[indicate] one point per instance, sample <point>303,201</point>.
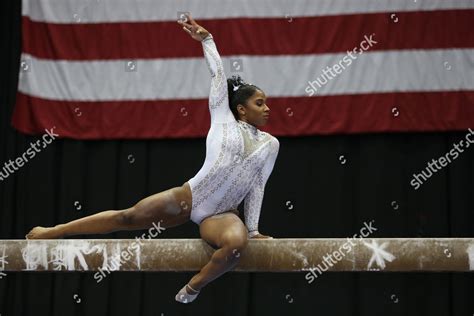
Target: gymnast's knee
<point>127,217</point>
<point>234,243</point>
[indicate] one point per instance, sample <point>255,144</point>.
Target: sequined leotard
<point>239,157</point>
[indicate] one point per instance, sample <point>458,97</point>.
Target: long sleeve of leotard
<point>218,97</point>
<point>253,200</point>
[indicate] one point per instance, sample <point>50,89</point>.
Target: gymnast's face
<point>255,112</point>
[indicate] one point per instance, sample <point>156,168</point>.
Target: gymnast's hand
<point>195,30</point>
<point>260,236</point>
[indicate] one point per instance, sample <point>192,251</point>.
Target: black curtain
<point>321,187</point>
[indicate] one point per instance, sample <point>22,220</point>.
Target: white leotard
<point>239,157</point>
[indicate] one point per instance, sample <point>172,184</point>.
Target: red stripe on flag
<point>290,116</point>
<point>266,36</point>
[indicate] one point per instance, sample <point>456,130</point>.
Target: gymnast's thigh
<point>170,207</point>
<point>217,229</point>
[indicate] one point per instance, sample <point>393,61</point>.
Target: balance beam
<point>271,255</point>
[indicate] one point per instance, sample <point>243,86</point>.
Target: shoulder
<point>273,140</point>
<point>275,143</point>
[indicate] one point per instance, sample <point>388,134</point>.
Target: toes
<point>32,233</point>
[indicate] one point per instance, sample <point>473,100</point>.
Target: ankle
<point>196,283</point>
<point>192,289</point>
<point>59,230</point>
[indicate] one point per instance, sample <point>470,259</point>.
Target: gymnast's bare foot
<point>39,232</point>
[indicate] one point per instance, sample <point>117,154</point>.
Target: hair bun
<point>236,82</point>
<point>233,85</point>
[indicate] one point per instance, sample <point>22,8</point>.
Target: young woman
<point>239,160</point>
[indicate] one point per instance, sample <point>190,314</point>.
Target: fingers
<point>187,30</point>
<point>188,15</point>
<point>192,28</point>
<point>260,236</point>
<point>186,27</point>
<point>185,24</point>
<point>192,32</point>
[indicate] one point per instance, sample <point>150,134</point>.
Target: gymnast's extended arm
<point>253,200</point>
<point>218,97</point>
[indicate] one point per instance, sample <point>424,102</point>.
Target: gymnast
<point>239,160</point>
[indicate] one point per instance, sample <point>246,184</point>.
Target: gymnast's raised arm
<point>218,97</point>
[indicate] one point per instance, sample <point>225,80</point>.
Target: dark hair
<point>239,93</point>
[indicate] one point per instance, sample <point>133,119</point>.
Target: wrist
<point>206,37</point>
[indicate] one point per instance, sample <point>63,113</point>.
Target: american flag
<point>108,69</point>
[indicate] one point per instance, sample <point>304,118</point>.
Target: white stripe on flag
<point>72,11</point>
<point>371,72</point>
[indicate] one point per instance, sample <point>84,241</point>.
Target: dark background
<point>329,199</point>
